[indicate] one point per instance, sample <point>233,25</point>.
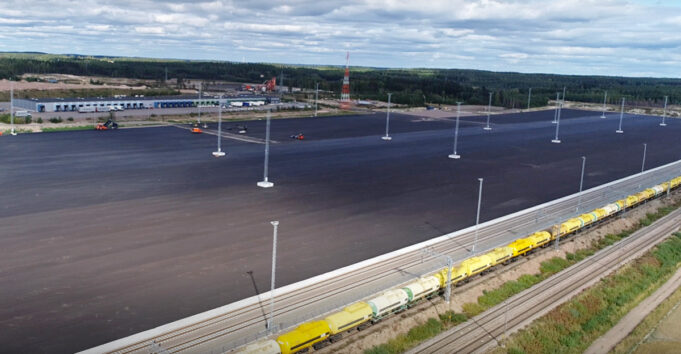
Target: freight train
<point>362,314</point>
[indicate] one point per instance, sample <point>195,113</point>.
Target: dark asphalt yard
<point>105,234</point>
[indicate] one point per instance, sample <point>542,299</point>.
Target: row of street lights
<point>275,225</point>
<point>265,183</point>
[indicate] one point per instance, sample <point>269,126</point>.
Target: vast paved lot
<point>105,234</point>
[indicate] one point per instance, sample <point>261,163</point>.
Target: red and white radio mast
<point>345,91</point>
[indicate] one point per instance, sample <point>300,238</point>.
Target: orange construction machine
<point>110,124</point>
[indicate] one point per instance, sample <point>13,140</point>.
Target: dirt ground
<point>5,85</point>
<point>672,110</point>
<point>401,324</point>
<point>448,111</point>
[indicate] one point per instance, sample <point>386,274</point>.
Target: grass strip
<point>574,325</point>
<point>65,129</point>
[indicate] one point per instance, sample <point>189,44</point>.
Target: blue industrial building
<point>139,102</point>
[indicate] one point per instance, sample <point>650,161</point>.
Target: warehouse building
<point>102,104</point>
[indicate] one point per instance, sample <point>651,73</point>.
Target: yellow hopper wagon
<point>660,188</point>
<point>459,275</point>
<point>476,265</point>
<point>268,346</point>
<point>391,301</point>
<point>540,239</point>
<point>630,201</point>
<point>501,255</point>
<point>588,218</point>
<point>422,287</point>
<point>600,213</point>
<point>676,181</point>
<point>521,247</point>
<point>567,228</point>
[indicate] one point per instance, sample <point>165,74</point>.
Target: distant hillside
<point>409,86</point>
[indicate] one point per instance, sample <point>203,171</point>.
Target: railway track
<point>483,332</point>
<point>236,324</point>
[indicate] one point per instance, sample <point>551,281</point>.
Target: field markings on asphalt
<point>243,138</point>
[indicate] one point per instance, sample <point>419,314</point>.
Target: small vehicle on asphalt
<point>195,129</point>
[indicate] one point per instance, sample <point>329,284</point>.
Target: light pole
<point>581,183</point>
<point>620,131</point>
<point>555,113</point>
<point>199,104</point>
<point>605,98</point>
<point>564,93</point>
<point>454,155</point>
<point>643,163</point>
<point>448,260</point>
<point>275,225</point>
<point>556,140</point>
<point>557,228</point>
<point>529,98</point>
<point>265,183</point>
<point>664,113</point>
<point>477,218</point>
<point>219,153</point>
<point>11,107</point>
<point>316,98</point>
<point>489,108</point>
<point>387,121</point>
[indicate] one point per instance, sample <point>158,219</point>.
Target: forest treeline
<point>408,86</point>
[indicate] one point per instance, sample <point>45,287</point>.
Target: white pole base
<point>387,138</point>
<point>487,128</point>
<point>218,153</point>
<point>454,156</point>
<point>603,116</point>
<point>663,124</point>
<point>265,184</point>
<point>555,141</point>
<point>619,131</point>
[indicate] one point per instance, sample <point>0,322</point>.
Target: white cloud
<point>149,30</point>
<point>616,37</point>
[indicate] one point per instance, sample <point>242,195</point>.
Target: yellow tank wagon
<point>501,255</point>
<point>354,316</point>
<point>307,335</point>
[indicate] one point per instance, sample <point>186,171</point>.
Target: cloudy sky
<point>608,37</point>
